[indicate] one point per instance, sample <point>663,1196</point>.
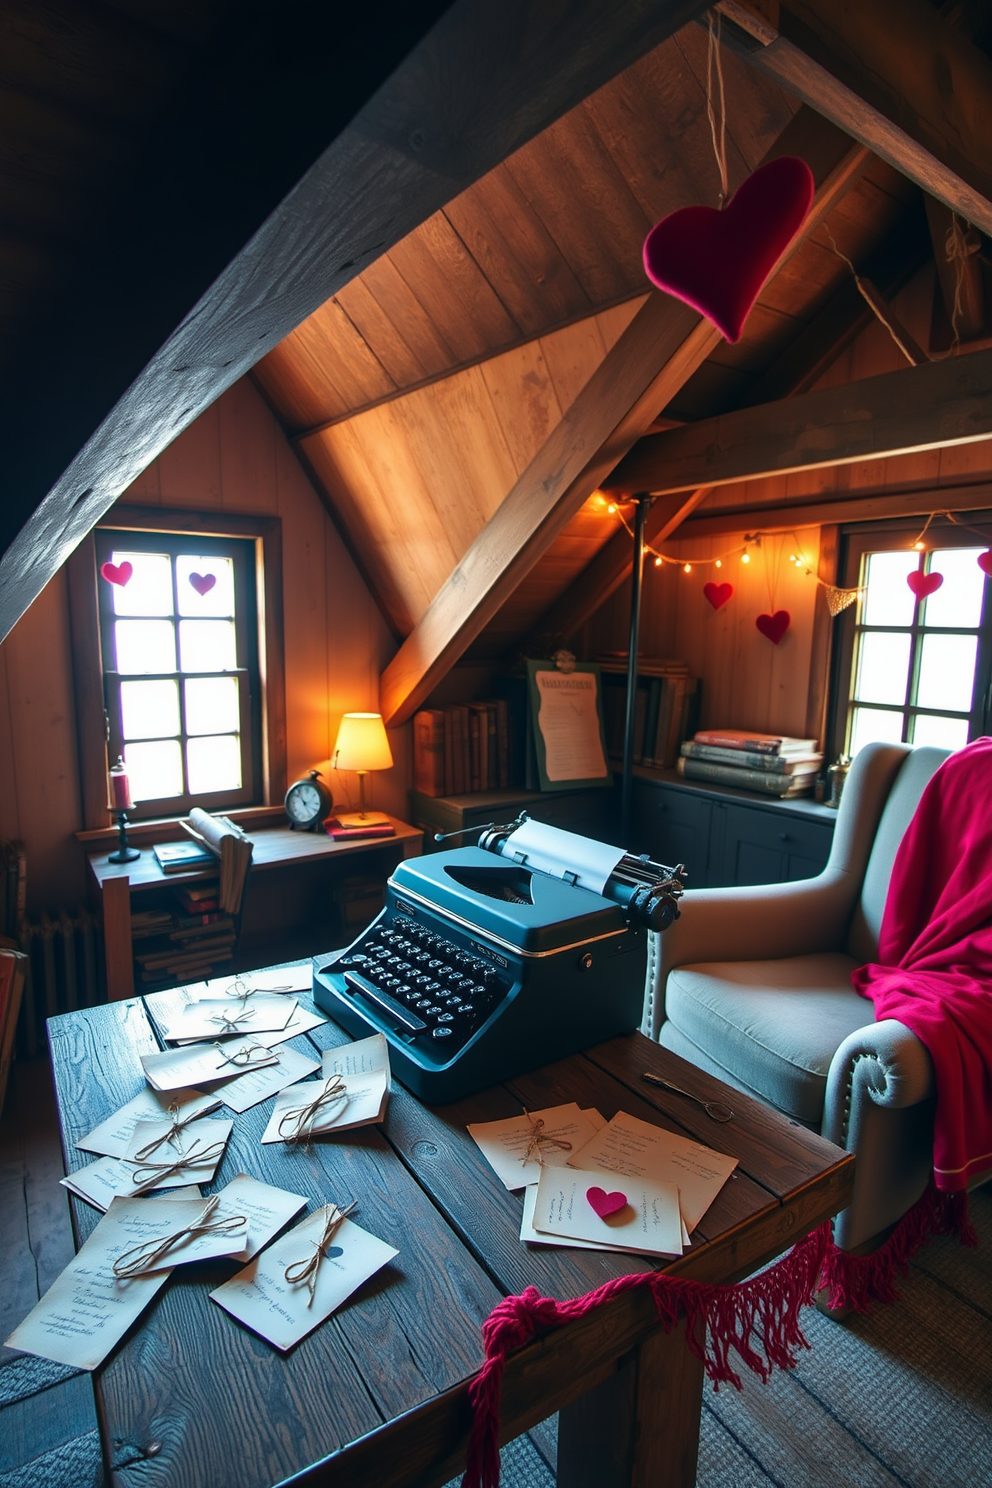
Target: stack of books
<point>462,748</point>
<point>771,764</point>
<point>183,946</point>
<point>666,706</point>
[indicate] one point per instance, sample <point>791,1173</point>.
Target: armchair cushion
<point>776,1024</point>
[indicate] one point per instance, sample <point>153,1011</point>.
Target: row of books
<point>461,748</point>
<point>13,974</point>
<point>666,707</point>
<point>197,937</point>
<point>770,764</point>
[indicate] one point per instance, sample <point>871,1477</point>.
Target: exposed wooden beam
<point>274,182</point>
<point>891,73</point>
<point>873,506</point>
<point>930,407</point>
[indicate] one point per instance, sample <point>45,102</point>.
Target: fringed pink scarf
<point>934,968</point>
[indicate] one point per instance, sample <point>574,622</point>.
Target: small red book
<point>374,829</point>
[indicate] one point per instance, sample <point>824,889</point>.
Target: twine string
<point>147,1253</point>
<point>229,1021</point>
<point>249,1056</point>
<point>171,1136</point>
<point>541,1141</point>
<point>298,1272</point>
<point>300,1120</point>
<point>959,246</point>
<point>870,302</point>
<point>718,129</point>
<point>151,1175</point>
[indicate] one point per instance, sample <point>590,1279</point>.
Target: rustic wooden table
<point>376,1397</point>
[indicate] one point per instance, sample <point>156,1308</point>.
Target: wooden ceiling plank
<point>894,75</point>
<point>523,398</point>
<point>920,408</point>
<point>868,506</point>
<point>338,353</point>
<point>397,356</point>
<point>515,251</point>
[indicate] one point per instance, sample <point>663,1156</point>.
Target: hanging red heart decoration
<point>923,584</point>
<point>774,626</point>
<point>202,583</point>
<point>716,261</point>
<point>117,573</point>
<point>718,594</point>
<point>985,563</point>
<point>605,1203</point>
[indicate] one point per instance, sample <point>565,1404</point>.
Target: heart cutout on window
<point>923,584</point>
<point>774,626</point>
<point>718,594</point>
<point>717,261</point>
<point>985,563</point>
<point>202,583</point>
<point>117,573</point>
<point>605,1203</point>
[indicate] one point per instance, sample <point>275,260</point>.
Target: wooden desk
<point>290,872</point>
<point>376,1397</point>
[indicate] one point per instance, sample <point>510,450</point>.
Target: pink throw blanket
<point>934,968</point>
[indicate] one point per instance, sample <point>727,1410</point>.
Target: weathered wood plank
<point>920,408</point>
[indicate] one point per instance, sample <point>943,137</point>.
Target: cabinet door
<point>673,826</point>
<point>762,847</point>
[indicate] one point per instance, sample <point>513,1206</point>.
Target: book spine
<point>776,764</point>
<point>729,739</point>
<point>449,751</point>
<point>651,721</point>
<point>502,743</point>
<point>428,752</point>
<point>753,780</point>
<point>670,745</point>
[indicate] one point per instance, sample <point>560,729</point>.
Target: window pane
<point>154,769</point>
<point>883,668</point>
<point>149,589</point>
<point>946,733</point>
<point>149,709</point>
<point>958,601</point>
<point>889,600</point>
<point>212,705</point>
<point>145,645</point>
<point>947,672</point>
<point>870,724</point>
<point>214,764</point>
<point>219,597</point>
<point>207,645</point>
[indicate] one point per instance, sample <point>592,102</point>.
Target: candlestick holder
<point>125,852</point>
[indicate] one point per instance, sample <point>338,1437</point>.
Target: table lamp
<point>362,746</point>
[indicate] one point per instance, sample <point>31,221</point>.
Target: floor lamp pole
<point>642,502</point>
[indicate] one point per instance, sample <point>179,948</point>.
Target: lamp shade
<point>362,743</point>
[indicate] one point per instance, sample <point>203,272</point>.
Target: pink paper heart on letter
<point>923,584</point>
<point>985,562</point>
<point>716,261</point>
<point>202,583</point>
<point>718,594</point>
<point>117,573</point>
<point>605,1203</point>
<point>774,626</point>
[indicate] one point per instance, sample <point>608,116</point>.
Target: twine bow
<point>241,990</point>
<point>147,1253</point>
<point>302,1119</point>
<point>171,1136</point>
<point>229,1021</point>
<point>541,1141</point>
<point>152,1174</point>
<point>245,1057</point>
<point>298,1272</point>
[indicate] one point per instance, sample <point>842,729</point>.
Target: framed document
<point>567,716</point>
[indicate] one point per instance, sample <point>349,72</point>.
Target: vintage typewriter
<point>491,960</point>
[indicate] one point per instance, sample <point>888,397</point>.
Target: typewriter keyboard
<point>425,986</point>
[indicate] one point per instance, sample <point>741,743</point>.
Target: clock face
<point>303,803</point>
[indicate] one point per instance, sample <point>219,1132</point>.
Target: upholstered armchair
<point>753,985</point>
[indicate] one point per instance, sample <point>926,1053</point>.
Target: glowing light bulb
<point>719,563</point>
<point>657,562</point>
<point>687,568</point>
<point>745,557</point>
<point>919,546</point>
<point>612,508</point>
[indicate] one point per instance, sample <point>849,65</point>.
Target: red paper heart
<point>985,563</point>
<point>605,1203</point>
<point>718,594</point>
<point>923,584</point>
<point>117,573</point>
<point>716,261</point>
<point>202,583</point>
<point>774,626</point>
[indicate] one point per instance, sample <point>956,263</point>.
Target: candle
<point>120,792</point>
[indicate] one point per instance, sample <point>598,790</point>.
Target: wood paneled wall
<point>234,458</point>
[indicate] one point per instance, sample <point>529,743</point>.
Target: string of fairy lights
<point>838,598</point>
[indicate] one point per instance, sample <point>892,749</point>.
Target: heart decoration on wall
<point>117,573</point>
<point>717,261</point>
<point>202,583</point>
<point>774,626</point>
<point>923,584</point>
<point>718,594</point>
<point>985,562</point>
<point>605,1203</point>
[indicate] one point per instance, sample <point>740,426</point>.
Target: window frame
<point>858,539</point>
<point>269,754</point>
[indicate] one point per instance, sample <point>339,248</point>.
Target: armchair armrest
<point>884,1063</point>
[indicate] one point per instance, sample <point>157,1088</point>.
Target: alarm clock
<point>308,803</point>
